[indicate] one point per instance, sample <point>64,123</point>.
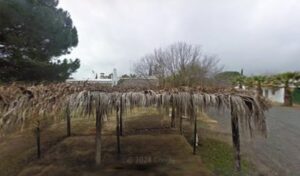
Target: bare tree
<point>179,64</point>
<point>145,66</point>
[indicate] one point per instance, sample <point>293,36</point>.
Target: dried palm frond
<point>30,103</point>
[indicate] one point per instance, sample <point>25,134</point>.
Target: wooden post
<point>236,139</point>
<point>38,140</point>
<point>121,116</point>
<point>68,121</point>
<point>195,136</point>
<point>98,136</point>
<point>180,124</point>
<point>288,99</point>
<point>173,112</point>
<point>195,125</point>
<point>118,132</point>
<point>179,114</point>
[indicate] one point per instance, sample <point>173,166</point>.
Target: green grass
<point>218,157</point>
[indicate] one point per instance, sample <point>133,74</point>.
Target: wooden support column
<point>236,139</point>
<point>121,115</point>
<point>68,116</point>
<point>180,124</point>
<point>173,124</point>
<point>38,140</point>
<point>179,115</point>
<point>194,116</point>
<point>195,137</point>
<point>118,131</point>
<point>98,136</point>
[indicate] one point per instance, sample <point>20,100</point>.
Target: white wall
<point>277,97</point>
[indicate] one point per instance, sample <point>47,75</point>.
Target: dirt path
<point>279,154</point>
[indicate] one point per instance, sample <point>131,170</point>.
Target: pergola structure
<point>21,105</point>
<point>247,111</point>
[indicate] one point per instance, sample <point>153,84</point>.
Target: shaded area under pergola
<point>247,111</point>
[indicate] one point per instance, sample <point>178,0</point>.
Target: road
<point>279,153</point>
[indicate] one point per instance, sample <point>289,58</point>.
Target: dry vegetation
<point>22,105</point>
<point>25,107</point>
<point>150,151</point>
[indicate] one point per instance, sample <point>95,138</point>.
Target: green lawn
<point>218,157</point>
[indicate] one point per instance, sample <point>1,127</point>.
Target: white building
<point>103,80</point>
<point>275,95</point>
<point>141,82</point>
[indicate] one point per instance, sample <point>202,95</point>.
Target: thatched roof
<point>249,108</point>
<point>20,104</point>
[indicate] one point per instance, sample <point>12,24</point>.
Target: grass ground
<point>19,149</point>
<point>218,157</point>
<point>149,147</point>
<point>216,151</point>
<point>141,154</point>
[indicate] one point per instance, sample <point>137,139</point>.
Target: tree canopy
<point>33,34</point>
<point>287,80</point>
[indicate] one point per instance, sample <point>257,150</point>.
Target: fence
<point>296,96</point>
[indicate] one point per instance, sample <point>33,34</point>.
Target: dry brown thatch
<point>21,105</point>
<point>248,108</point>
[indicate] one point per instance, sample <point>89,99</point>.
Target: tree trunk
<point>236,139</point>
<point>288,99</point>
<point>118,132</point>
<point>98,137</point>
<point>38,141</point>
<point>68,121</point>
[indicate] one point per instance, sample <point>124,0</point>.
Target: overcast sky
<point>261,36</point>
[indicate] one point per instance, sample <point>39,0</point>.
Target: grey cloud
<point>261,36</point>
